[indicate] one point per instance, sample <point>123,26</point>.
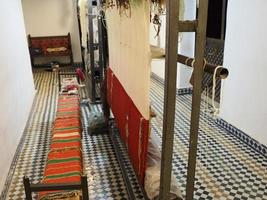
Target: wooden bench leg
<point>59,80</point>
<point>32,61</point>
<point>71,60</point>
<point>84,188</point>
<point>27,187</point>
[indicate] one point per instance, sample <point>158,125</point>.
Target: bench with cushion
<point>50,46</point>
<point>63,175</point>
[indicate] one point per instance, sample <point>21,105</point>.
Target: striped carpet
<point>226,168</point>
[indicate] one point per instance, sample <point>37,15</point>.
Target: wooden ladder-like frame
<point>173,27</point>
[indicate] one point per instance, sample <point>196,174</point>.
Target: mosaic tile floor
<point>226,168</point>
<point>104,176</point>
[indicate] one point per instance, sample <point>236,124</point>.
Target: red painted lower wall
<point>133,127</point>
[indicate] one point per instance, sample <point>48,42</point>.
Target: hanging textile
<point>129,78</point>
<point>83,20</point>
<point>133,127</point>
<point>130,52</point>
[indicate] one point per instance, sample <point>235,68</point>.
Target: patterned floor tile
<point>226,167</point>
<point>104,176</point>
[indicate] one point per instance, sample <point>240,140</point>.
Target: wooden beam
<point>27,188</point>
<point>55,186</point>
<point>221,73</point>
<point>172,9</point>
<point>196,99</point>
<point>84,187</point>
<point>159,53</point>
<point>188,26</point>
<point>91,49</point>
<point>224,8</point>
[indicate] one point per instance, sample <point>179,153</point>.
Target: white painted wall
<point>244,94</point>
<point>17,88</point>
<point>53,17</point>
<point>186,46</point>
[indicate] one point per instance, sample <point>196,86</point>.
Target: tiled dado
<point>243,136</point>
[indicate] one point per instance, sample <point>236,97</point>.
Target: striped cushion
<point>59,158</point>
<point>64,161</point>
<point>65,143</point>
<point>68,109</point>
<point>68,99</point>
<point>58,136</point>
<point>66,129</point>
<point>68,114</point>
<point>52,171</point>
<point>67,122</point>
<point>53,165</point>
<point>68,103</point>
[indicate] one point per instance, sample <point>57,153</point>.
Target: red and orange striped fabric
<point>64,161</point>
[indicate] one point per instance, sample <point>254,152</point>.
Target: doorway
<point>214,52</point>
<point>217,19</point>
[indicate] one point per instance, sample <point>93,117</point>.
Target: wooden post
<point>172,7</point>
<point>224,7</point>
<point>80,33</point>
<point>59,79</point>
<point>91,48</point>
<point>27,188</point>
<point>84,186</point>
<point>198,74</point>
<point>70,47</point>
